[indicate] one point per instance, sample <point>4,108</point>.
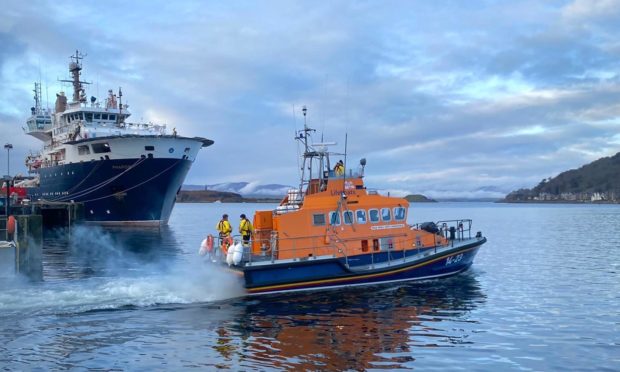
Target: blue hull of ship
<point>327,273</point>
<point>125,191</point>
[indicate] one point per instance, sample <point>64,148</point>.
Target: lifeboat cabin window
<point>149,148</point>
<point>101,147</point>
<point>334,218</point>
<point>386,214</point>
<point>361,215</point>
<point>318,219</point>
<point>83,150</point>
<point>347,217</point>
<point>374,215</point>
<point>399,213</point>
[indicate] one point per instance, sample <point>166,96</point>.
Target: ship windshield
<point>361,216</point>
<point>374,215</point>
<point>386,214</point>
<point>347,217</point>
<point>399,213</point>
<point>334,218</point>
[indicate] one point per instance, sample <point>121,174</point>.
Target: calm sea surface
<point>543,294</point>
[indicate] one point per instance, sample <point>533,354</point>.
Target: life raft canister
<point>10,225</point>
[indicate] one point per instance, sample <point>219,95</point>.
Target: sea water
<point>543,294</point>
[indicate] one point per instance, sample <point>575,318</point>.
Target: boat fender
<point>210,243</point>
<point>326,240</point>
<point>237,253</point>
<point>203,248</point>
<point>229,255</point>
<point>10,225</point>
<point>206,246</point>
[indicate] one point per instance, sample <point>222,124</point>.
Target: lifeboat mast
<point>315,151</point>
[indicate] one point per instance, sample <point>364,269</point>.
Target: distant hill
<point>245,189</point>
<point>210,196</point>
<point>207,196</point>
<point>598,181</point>
<point>418,198</point>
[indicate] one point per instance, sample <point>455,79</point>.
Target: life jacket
<point>224,227</point>
<point>245,227</point>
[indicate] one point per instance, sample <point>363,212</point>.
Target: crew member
<point>224,228</point>
<point>245,228</point>
<point>339,168</point>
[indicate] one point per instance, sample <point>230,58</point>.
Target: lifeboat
<point>333,232</point>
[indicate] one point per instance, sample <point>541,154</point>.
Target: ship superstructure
<point>124,172</point>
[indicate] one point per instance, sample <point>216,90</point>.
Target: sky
<point>444,98</point>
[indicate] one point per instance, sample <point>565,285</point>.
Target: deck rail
<point>336,247</point>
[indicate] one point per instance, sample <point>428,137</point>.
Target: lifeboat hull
<point>329,272</point>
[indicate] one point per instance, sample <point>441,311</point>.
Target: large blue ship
<point>124,173</point>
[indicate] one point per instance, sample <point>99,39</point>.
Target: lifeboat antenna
<point>303,137</point>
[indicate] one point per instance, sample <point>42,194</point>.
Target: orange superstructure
<point>338,216</point>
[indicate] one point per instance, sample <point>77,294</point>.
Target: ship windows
<point>83,150</point>
<point>97,116</point>
<point>101,147</point>
<point>149,148</point>
<point>104,116</point>
<point>399,213</point>
<point>112,117</point>
<point>373,214</point>
<point>386,214</point>
<point>347,217</point>
<point>318,219</point>
<point>334,218</point>
<point>360,215</point>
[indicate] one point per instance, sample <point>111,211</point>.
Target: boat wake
<point>187,284</point>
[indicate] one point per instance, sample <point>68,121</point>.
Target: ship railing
<point>95,128</point>
<point>453,230</point>
<point>311,247</point>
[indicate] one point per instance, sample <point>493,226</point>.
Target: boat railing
<point>330,244</point>
<point>454,230</point>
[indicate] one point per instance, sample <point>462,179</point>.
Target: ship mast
<point>75,67</point>
<point>307,163</point>
<point>37,98</point>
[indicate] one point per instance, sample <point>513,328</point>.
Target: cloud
<point>434,95</point>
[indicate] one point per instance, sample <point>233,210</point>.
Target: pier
<point>21,245</point>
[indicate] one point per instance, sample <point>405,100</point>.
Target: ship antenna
<point>303,137</point>
<point>75,67</point>
<point>120,105</point>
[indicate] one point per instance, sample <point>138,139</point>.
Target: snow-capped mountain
<point>246,189</point>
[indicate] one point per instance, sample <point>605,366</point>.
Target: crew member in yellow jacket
<point>245,228</point>
<point>224,229</point>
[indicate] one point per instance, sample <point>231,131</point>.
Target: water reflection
<point>371,327</point>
